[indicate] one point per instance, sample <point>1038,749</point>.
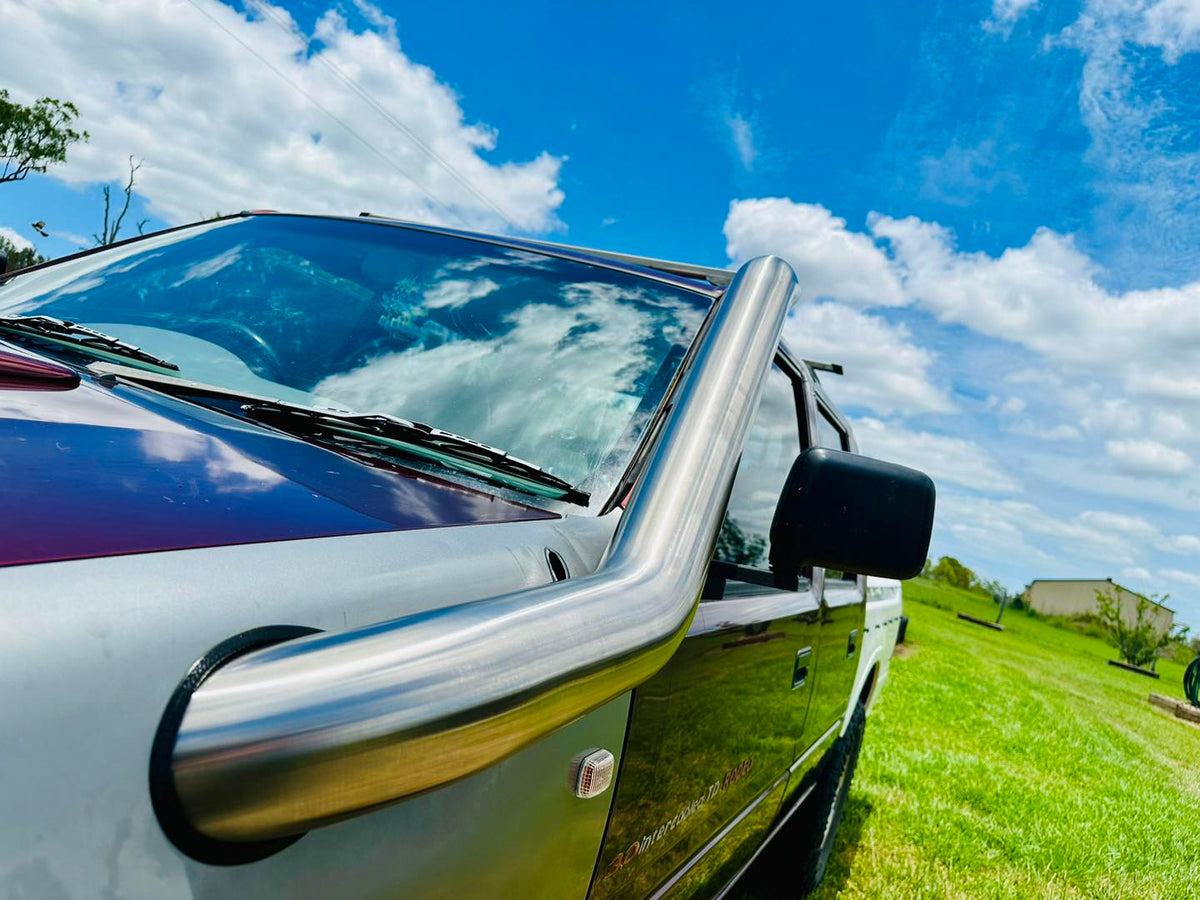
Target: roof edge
<point>712,274</point>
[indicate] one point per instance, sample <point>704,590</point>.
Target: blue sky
<point>994,206</point>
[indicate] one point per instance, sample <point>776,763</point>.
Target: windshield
<point>552,360</point>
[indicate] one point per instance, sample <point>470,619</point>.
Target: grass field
<point>1018,764</point>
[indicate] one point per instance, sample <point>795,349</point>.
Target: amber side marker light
<point>591,773</point>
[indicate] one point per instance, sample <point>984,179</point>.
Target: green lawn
<point>1018,764</point>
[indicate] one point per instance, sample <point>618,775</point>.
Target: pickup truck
<point>351,557</point>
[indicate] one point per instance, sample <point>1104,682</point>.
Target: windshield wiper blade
<point>82,339</point>
<point>368,433</point>
<point>417,439</point>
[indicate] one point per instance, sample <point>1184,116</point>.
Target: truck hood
<point>90,470</point>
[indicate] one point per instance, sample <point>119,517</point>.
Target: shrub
<point>1140,642</point>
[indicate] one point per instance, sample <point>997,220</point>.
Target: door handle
<point>800,671</point>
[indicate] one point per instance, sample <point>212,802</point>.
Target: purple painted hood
<point>87,470</point>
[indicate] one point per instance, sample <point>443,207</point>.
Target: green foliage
<point>950,571</point>
<point>1086,624</point>
<point>1141,641</point>
<point>34,137</point>
<point>735,547</point>
<point>19,258</point>
<point>1179,651</point>
<point>992,588</point>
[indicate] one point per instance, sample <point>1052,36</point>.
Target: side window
<point>828,433</point>
<point>771,447</point>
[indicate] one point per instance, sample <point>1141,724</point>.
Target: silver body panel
<point>93,648</point>
<point>885,606</point>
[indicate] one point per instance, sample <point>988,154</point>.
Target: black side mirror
<point>853,513</point>
<point>3,263</point>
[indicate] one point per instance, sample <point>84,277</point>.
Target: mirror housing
<point>844,511</point>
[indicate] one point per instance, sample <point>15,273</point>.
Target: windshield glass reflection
<point>554,361</point>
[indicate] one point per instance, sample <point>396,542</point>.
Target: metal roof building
<point>1077,596</point>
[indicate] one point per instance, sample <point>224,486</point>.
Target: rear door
<point>712,735</point>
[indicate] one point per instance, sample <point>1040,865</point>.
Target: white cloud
<point>1008,406</point>
<point>1183,544</point>
<point>1171,426</point>
<point>742,137</point>
<point>830,261</point>
<point>1062,432</point>
<point>1089,535</point>
<point>1007,529</point>
<point>1178,575</point>
<point>944,458</point>
<point>1027,294</point>
<point>962,173</point>
<point>1148,458</point>
<point>1045,295</point>
<point>1139,532</point>
<point>1131,526</point>
<point>456,292</point>
<point>1005,13</point>
<point>1115,367</point>
<point>1163,386</point>
<point>220,129</point>
<point>602,335</point>
<point>1173,25</point>
<point>1143,156</point>
<point>886,371</point>
<point>13,237</point>
<point>1000,528</point>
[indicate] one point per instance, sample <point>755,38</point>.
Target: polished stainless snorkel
<point>317,729</point>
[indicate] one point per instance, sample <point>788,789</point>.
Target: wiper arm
<point>417,439</point>
<point>370,432</point>
<point>80,338</point>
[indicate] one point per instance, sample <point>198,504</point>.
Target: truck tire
<point>793,865</point>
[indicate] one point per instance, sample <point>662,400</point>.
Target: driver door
<point>713,734</point>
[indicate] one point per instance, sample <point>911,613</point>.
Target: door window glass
<point>831,436</point>
<point>771,448</point>
<point>828,434</point>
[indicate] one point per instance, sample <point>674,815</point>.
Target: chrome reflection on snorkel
<point>305,733</point>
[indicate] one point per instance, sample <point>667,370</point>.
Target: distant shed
<point>1077,597</point>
